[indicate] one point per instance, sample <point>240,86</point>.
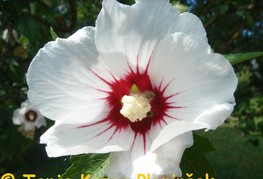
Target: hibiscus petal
<point>62,84</point>
<point>29,126</point>
<point>135,30</point>
<point>164,161</point>
<point>41,121</point>
<point>170,154</point>
<point>17,117</point>
<point>72,139</point>
<point>200,85</point>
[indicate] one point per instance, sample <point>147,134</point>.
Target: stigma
<point>31,115</point>
<point>135,107</point>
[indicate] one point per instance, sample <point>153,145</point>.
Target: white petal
<point>142,144</point>
<point>134,31</point>
<point>25,104</point>
<point>72,139</point>
<point>41,121</point>
<point>174,129</point>
<point>170,154</point>
<point>29,126</point>
<point>202,82</point>
<point>120,165</point>
<point>190,24</point>
<point>165,161</point>
<point>64,82</point>
<point>19,114</point>
<point>17,117</point>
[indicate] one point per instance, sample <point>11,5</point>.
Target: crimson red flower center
<point>122,87</point>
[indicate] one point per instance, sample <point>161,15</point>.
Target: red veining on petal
<point>137,63</point>
<point>97,75</point>
<point>144,143</point>
<point>99,122</point>
<point>120,87</point>
<point>170,96</point>
<point>115,131</point>
<point>115,79</point>
<point>165,87</point>
<point>105,130</point>
<point>148,63</point>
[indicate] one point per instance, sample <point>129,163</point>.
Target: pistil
<point>135,107</point>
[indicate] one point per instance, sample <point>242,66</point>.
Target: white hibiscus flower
<point>29,118</point>
<point>135,85</point>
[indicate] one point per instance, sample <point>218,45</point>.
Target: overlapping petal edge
<point>78,82</point>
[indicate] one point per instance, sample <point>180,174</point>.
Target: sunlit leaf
<point>95,165</point>
<point>53,33</point>
<point>181,7</point>
<point>241,57</point>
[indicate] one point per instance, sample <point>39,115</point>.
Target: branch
<point>235,33</point>
<point>210,22</point>
<point>73,8</point>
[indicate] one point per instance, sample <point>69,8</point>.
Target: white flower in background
<point>135,85</point>
<point>62,8</point>
<point>10,35</point>
<point>28,117</point>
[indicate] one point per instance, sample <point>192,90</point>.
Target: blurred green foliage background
<point>233,26</point>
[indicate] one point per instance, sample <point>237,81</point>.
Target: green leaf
<point>53,33</point>
<point>241,57</point>
<point>95,165</point>
<point>29,28</point>
<point>194,163</point>
<point>12,144</point>
<point>181,7</point>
